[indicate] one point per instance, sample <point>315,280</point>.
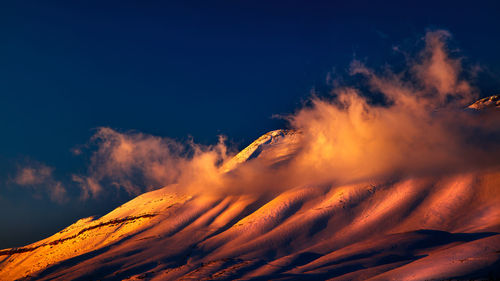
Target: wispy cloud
<point>33,175</point>
<point>422,129</point>
<point>140,162</point>
<point>39,179</point>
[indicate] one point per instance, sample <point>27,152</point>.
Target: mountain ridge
<point>420,228</point>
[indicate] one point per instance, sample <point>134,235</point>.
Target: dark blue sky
<point>180,68</point>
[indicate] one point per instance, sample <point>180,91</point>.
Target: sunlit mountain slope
<point>417,228</point>
<point>488,102</point>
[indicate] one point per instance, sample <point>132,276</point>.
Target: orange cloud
<point>31,175</point>
<point>422,129</point>
<point>139,162</point>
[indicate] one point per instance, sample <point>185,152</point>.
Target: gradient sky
<point>185,68</point>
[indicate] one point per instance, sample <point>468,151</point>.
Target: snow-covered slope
<point>491,102</point>
<point>411,230</point>
<point>414,229</point>
<point>274,146</point>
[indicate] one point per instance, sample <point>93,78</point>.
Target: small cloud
<point>90,187</point>
<point>76,151</point>
<point>39,178</point>
<point>33,175</point>
<point>58,193</point>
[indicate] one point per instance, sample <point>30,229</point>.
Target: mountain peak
<point>269,141</point>
<point>491,102</point>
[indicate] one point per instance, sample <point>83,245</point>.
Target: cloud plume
<point>139,162</point>
<point>419,129</point>
<point>422,129</point>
